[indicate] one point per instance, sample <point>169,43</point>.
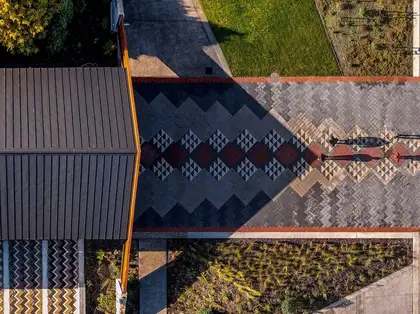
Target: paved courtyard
<point>229,155</point>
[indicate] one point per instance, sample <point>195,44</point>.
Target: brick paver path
<point>231,155</point>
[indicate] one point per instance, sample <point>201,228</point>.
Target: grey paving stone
<point>230,202</point>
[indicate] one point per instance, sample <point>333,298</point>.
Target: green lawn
<point>261,37</point>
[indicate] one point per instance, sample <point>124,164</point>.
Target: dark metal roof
<point>67,153</point>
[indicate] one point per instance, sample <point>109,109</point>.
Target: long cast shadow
<point>169,37</point>
<point>179,106</point>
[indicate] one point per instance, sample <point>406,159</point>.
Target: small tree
<point>24,21</point>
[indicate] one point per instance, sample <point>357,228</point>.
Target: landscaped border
<point>415,236</point>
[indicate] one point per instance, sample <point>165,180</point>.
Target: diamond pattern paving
<point>279,155</point>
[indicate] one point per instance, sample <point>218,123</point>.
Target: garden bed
<point>371,37</point>
<point>256,276</point>
<point>261,37</point>
<point>88,40</point>
<point>102,268</point>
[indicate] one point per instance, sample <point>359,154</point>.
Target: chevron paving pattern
<point>1,278</point>
<point>25,267</point>
<point>232,155</point>
<point>62,276</point>
<point>25,275</point>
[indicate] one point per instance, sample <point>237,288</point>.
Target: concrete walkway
<point>172,38</point>
<point>390,295</point>
<point>416,38</point>
<point>152,273</point>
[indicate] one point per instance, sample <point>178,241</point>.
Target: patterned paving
<point>26,272</point>
<point>62,276</point>
<point>261,155</point>
<point>25,269</point>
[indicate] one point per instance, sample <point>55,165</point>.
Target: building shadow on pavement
<point>168,39</point>
<point>215,156</point>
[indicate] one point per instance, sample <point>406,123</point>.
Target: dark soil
<point>250,276</point>
<point>87,35</point>
<point>101,270</point>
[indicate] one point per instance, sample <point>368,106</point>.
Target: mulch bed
<point>102,267</point>
<point>254,276</point>
<point>370,37</point>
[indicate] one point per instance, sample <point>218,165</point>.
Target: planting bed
<point>102,268</point>
<point>370,37</point>
<point>256,276</point>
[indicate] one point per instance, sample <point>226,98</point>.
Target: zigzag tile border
<point>62,276</point>
<point>25,276</point>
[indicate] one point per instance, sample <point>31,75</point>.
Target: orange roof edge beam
<point>127,245</point>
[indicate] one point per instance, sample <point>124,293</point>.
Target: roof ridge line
<point>66,151</point>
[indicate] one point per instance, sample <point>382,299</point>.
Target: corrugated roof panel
<point>125,100</point>
<point>56,196</point>
<point>130,162</point>
<point>38,107</point>
<point>23,98</point>
<point>61,119</point>
<point>25,196</point>
<point>39,210</point>
<point>2,107</point>
<point>16,109</point>
<point>97,111</point>
<point>106,122</point>
<point>67,151</point>
<point>91,119</point>
<point>3,198</point>
<point>32,211</point>
<point>31,109</point>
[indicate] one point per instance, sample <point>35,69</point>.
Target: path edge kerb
<point>211,37</point>
<point>293,79</point>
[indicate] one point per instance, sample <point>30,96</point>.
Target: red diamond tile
<point>259,154</point>
<point>204,155</point>
<point>401,150</point>
<point>312,154</point>
<point>287,154</point>
<point>343,153</point>
<point>148,155</point>
<point>231,155</point>
<point>175,155</point>
<point>370,155</point>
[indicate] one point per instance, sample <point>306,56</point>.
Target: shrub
<point>57,33</point>
<point>106,303</point>
<point>109,48</point>
<point>205,310</point>
<point>23,22</point>
<point>100,255</point>
<point>289,306</point>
